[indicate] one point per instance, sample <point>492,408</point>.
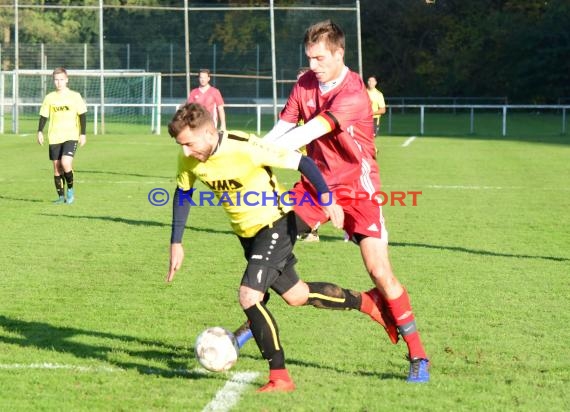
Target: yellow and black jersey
<point>63,110</point>
<point>377,100</point>
<point>240,177</point>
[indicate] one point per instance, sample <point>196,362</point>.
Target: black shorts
<point>56,151</point>
<point>270,259</point>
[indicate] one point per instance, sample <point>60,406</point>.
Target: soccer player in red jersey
<point>338,130</point>
<point>209,97</point>
<point>266,228</point>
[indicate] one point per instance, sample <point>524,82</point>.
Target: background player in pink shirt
<point>209,97</point>
<point>338,130</point>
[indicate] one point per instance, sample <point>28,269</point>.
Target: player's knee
<point>66,164</point>
<point>249,297</point>
<point>297,300</point>
<point>386,281</point>
<point>382,273</point>
<point>297,295</point>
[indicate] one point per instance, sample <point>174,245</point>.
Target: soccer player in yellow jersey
<point>378,103</point>
<point>237,169</point>
<point>66,112</point>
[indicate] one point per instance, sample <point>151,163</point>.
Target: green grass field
<point>87,322</point>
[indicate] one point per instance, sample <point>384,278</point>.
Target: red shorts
<point>362,214</point>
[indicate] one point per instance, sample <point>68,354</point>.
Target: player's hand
<point>176,258</point>
<point>334,211</point>
<point>40,138</point>
<point>82,140</point>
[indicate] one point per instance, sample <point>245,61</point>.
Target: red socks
<point>402,313</point>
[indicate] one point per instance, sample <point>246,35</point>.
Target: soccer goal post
<point>115,99</point>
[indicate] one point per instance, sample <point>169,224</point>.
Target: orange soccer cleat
<point>278,385</point>
<point>374,305</point>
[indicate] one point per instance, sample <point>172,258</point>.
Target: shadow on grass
<point>327,238</point>
<point>480,252</point>
<point>48,337</point>
<point>106,172</point>
<point>459,249</point>
<point>43,336</point>
<point>135,222</point>
<point>21,199</point>
<point>322,366</point>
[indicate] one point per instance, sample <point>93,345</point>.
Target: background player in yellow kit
<point>66,112</point>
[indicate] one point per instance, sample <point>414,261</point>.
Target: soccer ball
<point>216,349</point>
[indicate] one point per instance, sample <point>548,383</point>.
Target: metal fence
<point>252,51</point>
<point>475,119</point>
<point>518,121</point>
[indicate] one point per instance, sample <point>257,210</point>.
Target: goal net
<point>115,99</point>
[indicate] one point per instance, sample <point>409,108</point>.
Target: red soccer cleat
<point>278,385</point>
<point>374,306</point>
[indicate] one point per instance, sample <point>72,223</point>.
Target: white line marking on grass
<point>47,365</point>
<point>408,141</point>
<point>228,396</point>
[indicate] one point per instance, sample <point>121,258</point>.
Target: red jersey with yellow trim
<point>341,153</point>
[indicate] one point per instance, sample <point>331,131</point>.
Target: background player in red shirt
<point>209,97</point>
<point>338,130</point>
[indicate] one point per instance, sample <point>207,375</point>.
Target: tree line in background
<point>514,48</point>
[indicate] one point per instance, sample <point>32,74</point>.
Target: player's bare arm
<point>176,259</point>
<point>83,128</point>
<point>180,212</point>
<point>222,117</point>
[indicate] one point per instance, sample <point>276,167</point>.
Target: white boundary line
<point>224,400</point>
<point>408,141</point>
<point>228,396</point>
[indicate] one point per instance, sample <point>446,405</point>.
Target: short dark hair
<point>193,115</point>
<point>326,31</point>
<point>207,71</point>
